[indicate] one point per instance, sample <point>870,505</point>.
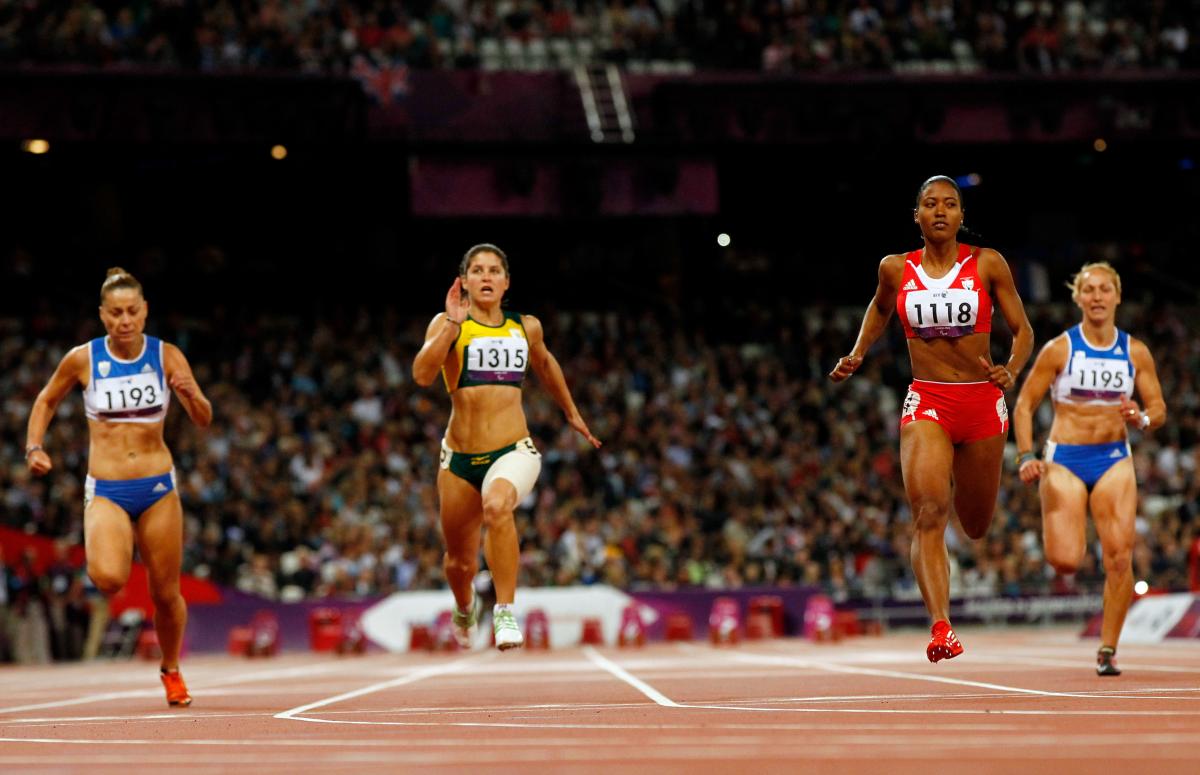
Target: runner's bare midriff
<point>127,450</point>
<point>1086,424</point>
<point>949,359</point>
<point>485,418</point>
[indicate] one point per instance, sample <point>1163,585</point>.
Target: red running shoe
<point>944,644</point>
<point>177,693</point>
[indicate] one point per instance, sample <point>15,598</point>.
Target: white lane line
<point>636,683</point>
<point>413,677</point>
<point>832,667</point>
<point>840,668</point>
<point>859,711</point>
<point>1079,654</point>
<point>84,700</point>
<point>584,760</point>
<point>180,715</point>
<point>265,675</point>
<point>1086,665</point>
<point>985,741</point>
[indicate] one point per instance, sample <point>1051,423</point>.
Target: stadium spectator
<point>835,35</point>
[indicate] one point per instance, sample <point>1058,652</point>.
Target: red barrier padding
<point>633,630</point>
<point>419,638</point>
<point>537,630</point>
<point>239,641</point>
<point>593,633</point>
<point>725,621</point>
<point>759,626</point>
<point>678,627</point>
<point>324,629</point>
<point>818,619</point>
<point>772,606</point>
<point>264,640</point>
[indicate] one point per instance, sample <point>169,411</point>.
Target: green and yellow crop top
<point>490,355</point>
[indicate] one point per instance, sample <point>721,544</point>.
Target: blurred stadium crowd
<point>729,458</point>
<point>348,36</point>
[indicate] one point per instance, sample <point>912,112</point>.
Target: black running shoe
<point>1106,661</point>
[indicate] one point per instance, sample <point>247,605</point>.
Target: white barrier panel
<point>1151,618</point>
<point>389,622</point>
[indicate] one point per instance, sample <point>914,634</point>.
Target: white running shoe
<point>508,633</point>
<point>465,624</point>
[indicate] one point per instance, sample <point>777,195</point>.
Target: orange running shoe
<point>944,644</point>
<point>177,693</point>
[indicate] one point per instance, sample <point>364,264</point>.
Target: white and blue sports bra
<point>1095,375</point>
<point>126,391</point>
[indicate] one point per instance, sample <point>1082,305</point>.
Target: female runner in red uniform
<point>954,422</point>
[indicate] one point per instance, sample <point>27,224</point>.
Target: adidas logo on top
<point>1118,351</point>
<point>911,285</point>
<point>146,368</point>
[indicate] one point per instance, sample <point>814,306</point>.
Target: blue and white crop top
<point>1095,375</point>
<point>126,391</point>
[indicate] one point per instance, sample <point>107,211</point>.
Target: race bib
<point>497,358</point>
<point>132,393</point>
<point>937,313</point>
<point>1099,378</point>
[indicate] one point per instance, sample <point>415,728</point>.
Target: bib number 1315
<point>498,353</point>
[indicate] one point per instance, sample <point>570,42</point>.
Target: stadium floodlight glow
<point>278,152</point>
<point>1101,145</point>
<point>723,240</point>
<point>1141,588</point>
<point>37,146</point>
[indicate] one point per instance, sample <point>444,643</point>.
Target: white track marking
<point>579,760</point>
<point>264,675</point>
<point>636,683</point>
<point>985,741</point>
<point>841,668</point>
<point>84,700</point>
<point>1087,665</point>
<point>419,675</point>
<point>833,667</point>
<point>177,716</point>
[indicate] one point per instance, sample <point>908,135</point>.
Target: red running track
<point>1017,701</point>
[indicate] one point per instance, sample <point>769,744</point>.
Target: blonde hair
<point>117,279</point>
<point>1077,279</point>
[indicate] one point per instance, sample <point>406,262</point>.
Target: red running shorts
<point>967,411</point>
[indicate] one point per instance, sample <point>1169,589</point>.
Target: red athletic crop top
<point>950,306</point>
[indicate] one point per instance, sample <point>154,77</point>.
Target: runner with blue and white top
<point>1091,371</point>
<point>127,379</point>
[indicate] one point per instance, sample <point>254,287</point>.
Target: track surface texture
<point>1024,701</point>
